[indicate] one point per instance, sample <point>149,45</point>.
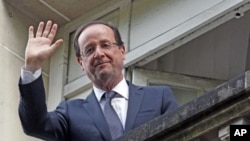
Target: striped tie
<point>115,125</point>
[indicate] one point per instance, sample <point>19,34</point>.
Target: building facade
<point>192,46</point>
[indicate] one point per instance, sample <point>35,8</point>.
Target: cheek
<point>123,56</point>
<point>89,64</point>
<point>119,61</point>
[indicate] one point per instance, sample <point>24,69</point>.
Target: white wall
<point>152,18</point>
<point>13,36</point>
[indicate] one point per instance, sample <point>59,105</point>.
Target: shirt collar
<point>121,88</point>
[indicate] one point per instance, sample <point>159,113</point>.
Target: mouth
<point>101,64</point>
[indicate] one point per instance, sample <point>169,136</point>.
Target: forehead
<point>96,32</point>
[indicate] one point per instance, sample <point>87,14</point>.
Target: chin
<point>104,75</point>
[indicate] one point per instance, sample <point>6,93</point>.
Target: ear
<point>79,61</point>
<point>123,51</point>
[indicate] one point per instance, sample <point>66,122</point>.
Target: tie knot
<point>110,94</point>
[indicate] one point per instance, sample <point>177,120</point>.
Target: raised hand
<point>40,46</point>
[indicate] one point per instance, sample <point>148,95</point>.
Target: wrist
<point>31,68</point>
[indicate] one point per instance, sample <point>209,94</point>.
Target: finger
<point>40,29</point>
<point>53,31</point>
<point>31,32</point>
<point>47,29</point>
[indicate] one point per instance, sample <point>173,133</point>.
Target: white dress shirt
<point>28,77</point>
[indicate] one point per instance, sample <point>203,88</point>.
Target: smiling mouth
<point>100,64</point>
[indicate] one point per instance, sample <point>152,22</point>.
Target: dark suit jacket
<point>83,120</point>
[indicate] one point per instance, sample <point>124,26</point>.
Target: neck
<point>108,84</point>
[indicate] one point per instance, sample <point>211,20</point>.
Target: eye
<point>89,50</point>
<point>106,45</point>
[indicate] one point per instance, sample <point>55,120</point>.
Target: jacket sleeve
<point>35,119</point>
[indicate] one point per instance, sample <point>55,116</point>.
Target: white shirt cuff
<point>28,77</point>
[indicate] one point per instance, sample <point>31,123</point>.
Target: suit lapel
<point>134,102</point>
<point>94,110</point>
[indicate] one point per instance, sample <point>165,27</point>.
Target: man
<point>101,117</point>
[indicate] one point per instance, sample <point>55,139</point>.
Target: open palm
<point>40,46</point>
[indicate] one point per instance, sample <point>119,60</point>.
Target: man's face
<point>100,57</point>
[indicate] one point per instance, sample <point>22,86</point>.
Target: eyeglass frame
<point>84,54</point>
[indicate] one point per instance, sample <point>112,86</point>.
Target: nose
<point>98,52</point>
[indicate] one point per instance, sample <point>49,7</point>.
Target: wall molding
<point>18,56</point>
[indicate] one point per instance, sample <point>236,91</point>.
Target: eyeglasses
<point>90,50</point>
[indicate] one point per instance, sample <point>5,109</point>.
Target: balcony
<point>206,118</point>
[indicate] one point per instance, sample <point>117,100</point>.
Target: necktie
<point>115,125</point>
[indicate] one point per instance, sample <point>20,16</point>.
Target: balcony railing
<point>205,118</point>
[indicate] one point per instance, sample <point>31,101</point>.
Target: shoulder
<point>71,103</point>
<point>158,88</point>
<point>65,107</point>
<point>152,90</point>
<point>74,101</point>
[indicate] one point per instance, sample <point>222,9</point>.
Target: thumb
<point>56,45</point>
